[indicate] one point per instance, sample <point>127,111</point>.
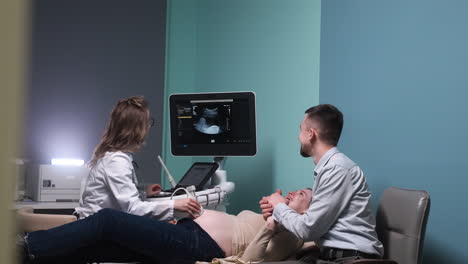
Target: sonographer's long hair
<point>127,128</point>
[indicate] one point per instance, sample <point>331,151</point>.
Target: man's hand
<point>267,206</point>
<point>152,190</point>
<point>276,198</point>
<point>267,209</point>
<point>188,205</point>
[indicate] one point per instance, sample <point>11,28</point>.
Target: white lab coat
<point>111,183</point>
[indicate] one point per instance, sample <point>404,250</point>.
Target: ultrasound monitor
<point>213,124</point>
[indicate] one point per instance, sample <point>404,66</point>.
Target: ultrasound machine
<point>217,125</point>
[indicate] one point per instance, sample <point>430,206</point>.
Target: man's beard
<point>304,153</point>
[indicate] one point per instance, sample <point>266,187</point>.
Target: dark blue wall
<point>85,56</point>
<point>399,72</point>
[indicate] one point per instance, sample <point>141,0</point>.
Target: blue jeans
<point>115,236</point>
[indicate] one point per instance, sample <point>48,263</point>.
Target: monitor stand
<point>220,175</point>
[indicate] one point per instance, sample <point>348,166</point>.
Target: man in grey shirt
<point>339,219</point>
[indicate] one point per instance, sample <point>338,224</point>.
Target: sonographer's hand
<point>188,205</point>
<point>152,190</point>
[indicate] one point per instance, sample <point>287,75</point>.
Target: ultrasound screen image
<point>212,119</point>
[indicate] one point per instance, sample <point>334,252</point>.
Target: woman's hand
<point>188,205</point>
<point>152,190</point>
<point>271,224</point>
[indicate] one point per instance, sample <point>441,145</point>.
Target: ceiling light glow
<point>68,162</point>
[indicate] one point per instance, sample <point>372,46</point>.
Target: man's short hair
<point>330,121</point>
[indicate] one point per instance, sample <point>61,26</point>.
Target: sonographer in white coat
<point>112,182</point>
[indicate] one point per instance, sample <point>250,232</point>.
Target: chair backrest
<point>401,224</point>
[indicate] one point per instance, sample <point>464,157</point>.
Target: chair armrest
<point>28,221</point>
<point>308,249</point>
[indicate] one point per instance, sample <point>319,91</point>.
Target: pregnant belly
<point>220,227</point>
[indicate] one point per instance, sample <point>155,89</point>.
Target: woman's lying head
<point>299,200</point>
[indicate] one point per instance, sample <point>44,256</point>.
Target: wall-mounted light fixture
<point>68,162</point>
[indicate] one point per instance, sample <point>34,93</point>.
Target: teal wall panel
<point>271,48</point>
<point>399,71</point>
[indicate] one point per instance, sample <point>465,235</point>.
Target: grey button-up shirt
<point>339,215</point>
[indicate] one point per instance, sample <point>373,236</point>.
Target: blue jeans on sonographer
<point>113,236</point>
